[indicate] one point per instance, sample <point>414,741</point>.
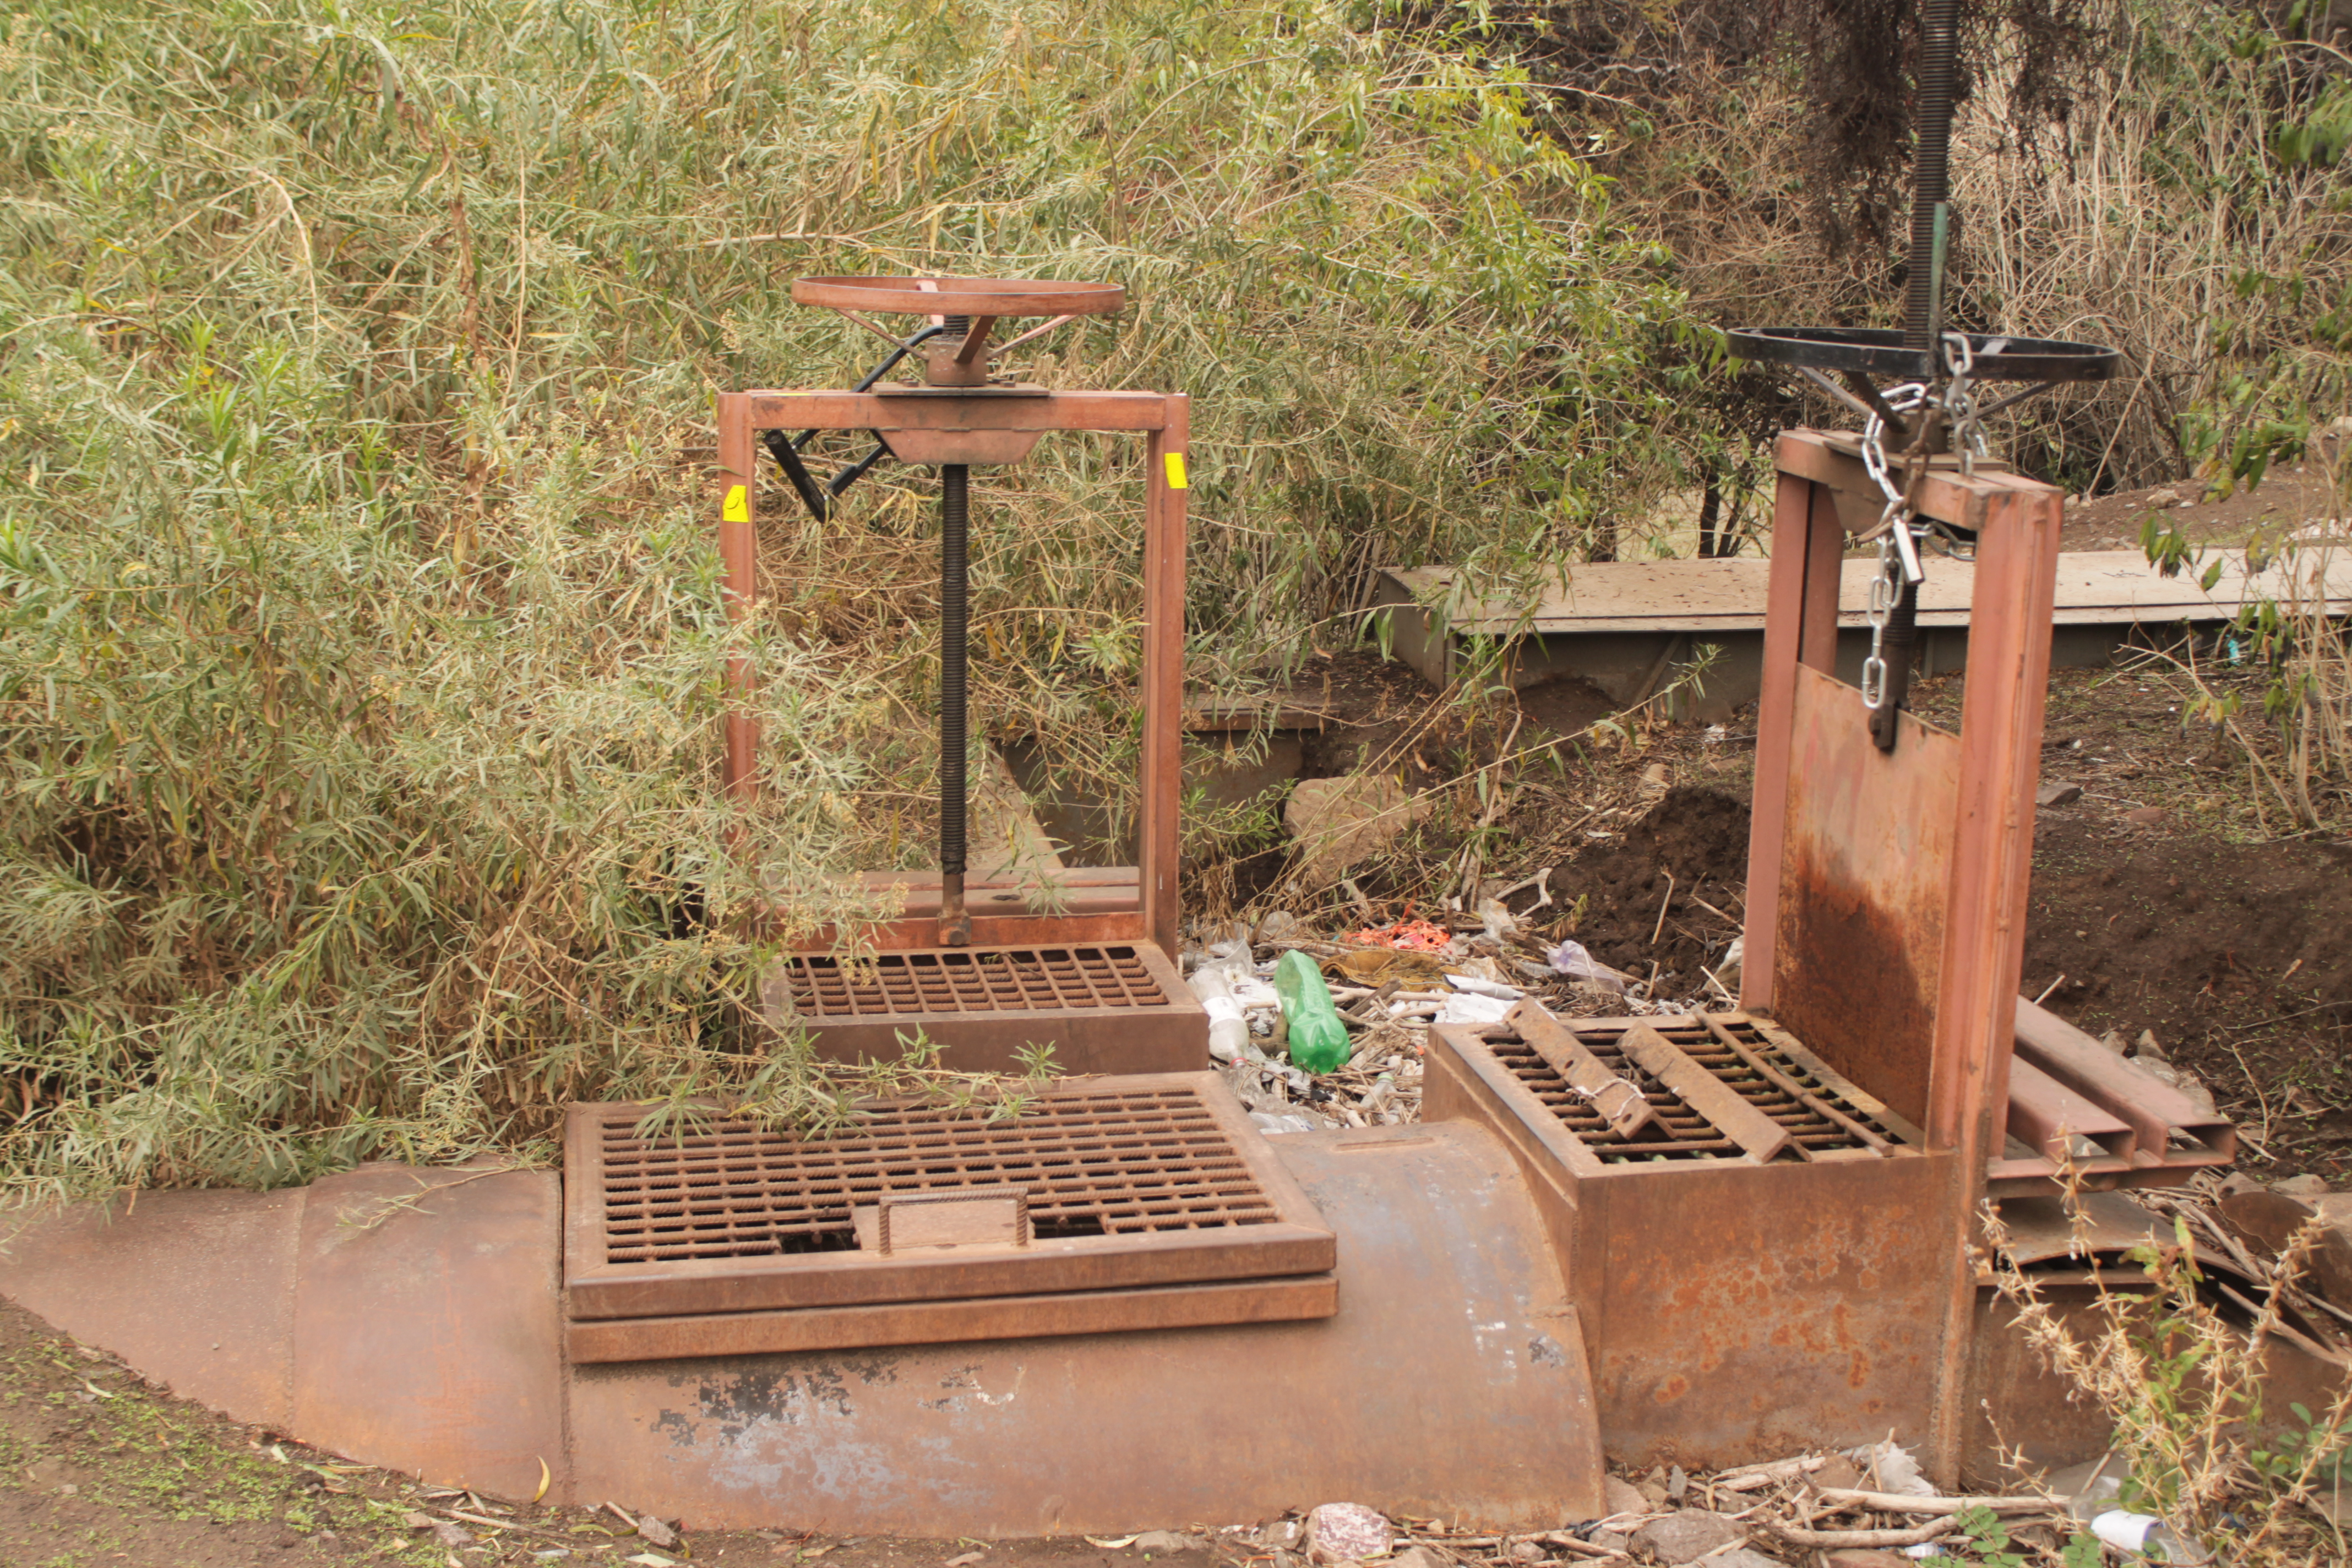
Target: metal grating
<point>1735,1052</point>
<point>982,980</point>
<point>1100,1163</point>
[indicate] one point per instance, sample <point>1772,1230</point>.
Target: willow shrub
<point>362,672</point>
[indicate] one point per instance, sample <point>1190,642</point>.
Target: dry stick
<point>1662,905</point>
<point>1896,1502</point>
<point>2049,988</point>
<point>1797,1536</point>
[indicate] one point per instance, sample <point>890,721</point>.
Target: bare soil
<point>2166,898</point>
<point>98,1468</point>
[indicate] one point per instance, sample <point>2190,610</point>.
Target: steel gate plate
<point>1127,1187</point>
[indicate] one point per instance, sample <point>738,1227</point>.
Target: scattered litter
<point>1480,987</point>
<point>1570,959</point>
<point>2145,1535</point>
<point>1897,1469</point>
<point>1319,1040</point>
<point>1111,1542</point>
<point>1468,1007</point>
<point>966,1561</point>
<point>652,1560</point>
<point>1423,936</point>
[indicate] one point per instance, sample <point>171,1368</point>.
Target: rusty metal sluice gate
<point>1714,1238</point>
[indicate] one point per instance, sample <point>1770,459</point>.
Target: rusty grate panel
<point>1115,1163</point>
<point>982,980</point>
<point>1681,1132</point>
<point>1145,1180</point>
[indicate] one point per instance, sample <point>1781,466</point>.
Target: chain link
<point>1898,530</point>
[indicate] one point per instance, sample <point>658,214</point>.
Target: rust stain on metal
<point>1867,862</point>
<point>1092,1187</point>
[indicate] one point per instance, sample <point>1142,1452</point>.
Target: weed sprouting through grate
<point>975,981</point>
<point>1094,1163</point>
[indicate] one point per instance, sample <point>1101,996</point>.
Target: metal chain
<point>1886,587</point>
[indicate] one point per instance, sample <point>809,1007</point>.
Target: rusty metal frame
<point>1961,947</point>
<point>1731,1311</point>
<point>1149,913</point>
<point>1143,1036</point>
<point>723,1175</point>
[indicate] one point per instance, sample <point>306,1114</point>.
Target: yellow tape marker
<point>738,507</point>
<point>1176,471</point>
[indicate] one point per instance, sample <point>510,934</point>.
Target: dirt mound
<point>1699,836</point>
<point>2203,940</point>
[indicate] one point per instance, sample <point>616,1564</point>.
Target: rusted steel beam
<point>947,408</point>
<point>1618,1100</point>
<point>1161,781</point>
<point>1758,1134</point>
<point>738,485</point>
<point>2156,1113</point>
<point>953,1323</point>
<point>2046,1115</point>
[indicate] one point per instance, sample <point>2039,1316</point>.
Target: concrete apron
<point>413,1319</point>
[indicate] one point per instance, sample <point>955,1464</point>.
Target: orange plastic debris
<point>1414,936</point>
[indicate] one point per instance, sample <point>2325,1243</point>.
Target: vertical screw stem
<point>1931,162</point>
<point>955,539</point>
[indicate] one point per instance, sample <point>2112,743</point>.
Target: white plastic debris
<point>1468,1007</point>
<point>1478,987</point>
<point>2145,1535</point>
<point>1273,1125</point>
<point>1898,1471</point>
<point>1570,959</point>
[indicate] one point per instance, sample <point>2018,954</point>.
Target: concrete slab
<point>428,1336</point>
<point>1624,625</point>
<point>193,1288</point>
<point>1452,1382</point>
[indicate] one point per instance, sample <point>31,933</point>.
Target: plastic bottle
<point>2145,1536</point>
<point>1228,1030</point>
<point>1319,1040</point>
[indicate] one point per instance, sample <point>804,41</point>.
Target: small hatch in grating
<point>1134,1180</point>
<point>1823,1114</point>
<point>975,980</point>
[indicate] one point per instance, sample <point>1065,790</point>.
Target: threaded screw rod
<point>1939,45</point>
<point>955,549</point>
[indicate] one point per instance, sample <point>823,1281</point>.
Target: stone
<point>658,1532</point>
<point>1338,822</point>
<point>2148,1048</point>
<point>1159,1543</point>
<point>2146,816</point>
<point>2305,1186</point>
<point>2238,1182</point>
<point>1654,1495</point>
<point>1740,1557</point>
<point>1620,1497</point>
<point>1527,1551</point>
<point>1418,1557</point>
<point>1861,1557</point>
<point>1677,1483</point>
<point>1688,1534</point>
<point>1347,1533</point>
<point>1282,1532</point>
<point>2114,1040</point>
<point>450,1535</point>
<point>2058,795</point>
